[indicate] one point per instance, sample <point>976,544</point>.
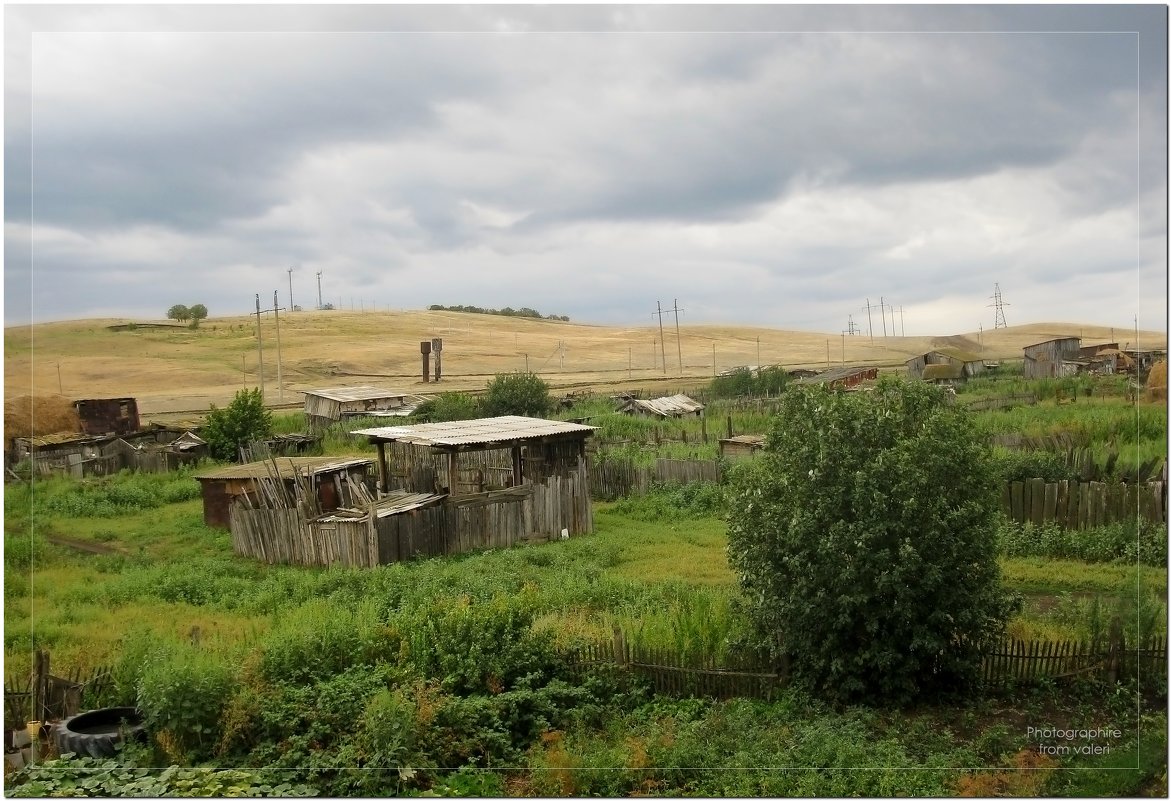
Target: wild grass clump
<point>674,501</point>
<point>108,496</point>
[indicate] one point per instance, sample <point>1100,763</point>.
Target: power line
<point>661,346</point>
<point>678,344</point>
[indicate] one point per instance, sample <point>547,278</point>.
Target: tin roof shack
<point>741,446</point>
<point>1053,358</point>
<point>667,406</point>
<point>326,406</point>
<point>842,377</point>
<point>67,453</point>
<point>108,415</point>
<point>969,364</point>
<point>1142,359</point>
<point>543,493</point>
<point>335,481</point>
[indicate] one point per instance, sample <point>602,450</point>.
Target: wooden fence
<point>43,696</point>
<point>1082,505</point>
<point>611,480</point>
<point>1001,402</point>
<point>1026,662</point>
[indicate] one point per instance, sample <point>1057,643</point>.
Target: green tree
<point>243,420</point>
<point>179,312</point>
<point>517,393</point>
<point>447,406</point>
<point>865,543</point>
<point>198,312</point>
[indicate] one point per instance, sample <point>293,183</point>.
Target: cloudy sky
<point>772,165</point>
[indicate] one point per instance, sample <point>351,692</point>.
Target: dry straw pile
<point>28,416</point>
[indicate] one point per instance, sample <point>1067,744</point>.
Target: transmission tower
<point>999,303</point>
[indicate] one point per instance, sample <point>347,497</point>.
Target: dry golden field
<point>178,369</point>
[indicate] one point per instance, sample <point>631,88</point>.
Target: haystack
<point>28,416</point>
<point>1157,382</point>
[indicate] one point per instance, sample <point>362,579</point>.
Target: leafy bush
<point>86,777</point>
<point>524,394</point>
<point>1013,465</point>
<point>447,406</point>
<point>182,699</point>
<point>864,540</point>
<point>743,382</point>
<point>673,501</point>
<point>243,420</point>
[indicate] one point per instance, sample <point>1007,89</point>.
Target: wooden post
<point>1116,645</point>
<point>437,349</point>
<point>425,349</point>
<point>703,427</point>
<point>517,469</point>
<point>383,472</point>
<point>452,472</point>
<point>729,426</point>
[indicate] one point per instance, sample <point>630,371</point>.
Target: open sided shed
<point>325,406</point>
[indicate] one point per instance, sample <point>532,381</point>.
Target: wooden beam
<point>517,476</point>
<point>383,477</point>
<point>453,473</point>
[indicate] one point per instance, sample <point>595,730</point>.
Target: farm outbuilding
<point>969,364</point>
<point>336,481</point>
<point>667,406</point>
<point>741,446</point>
<point>842,377</point>
<point>108,415</point>
<point>1053,358</point>
<point>443,488</point>
<point>156,450</point>
<point>326,406</point>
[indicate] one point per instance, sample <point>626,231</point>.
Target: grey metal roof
<point>346,394</point>
<point>669,405</point>
<point>833,374</point>
<point>482,431</point>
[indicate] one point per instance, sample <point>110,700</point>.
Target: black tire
<point>96,733</point>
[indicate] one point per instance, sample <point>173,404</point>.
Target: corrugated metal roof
<point>64,438</point>
<point>482,431</point>
<point>347,394</point>
<point>670,405</point>
<point>287,467</point>
<point>746,439</point>
<point>392,504</point>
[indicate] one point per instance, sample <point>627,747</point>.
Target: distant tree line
<point>507,311</point>
<point>184,313</point>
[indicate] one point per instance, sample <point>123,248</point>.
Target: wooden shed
<point>335,480</point>
<point>741,446</point>
<point>842,377</point>
<point>968,364</point>
<point>326,406</point>
<point>667,406</point>
<point>444,488</point>
<point>1053,358</point>
<point>108,415</point>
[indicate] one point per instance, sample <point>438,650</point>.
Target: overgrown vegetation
<point>745,382</point>
<point>525,394</point>
<point>447,406</point>
<point>243,420</point>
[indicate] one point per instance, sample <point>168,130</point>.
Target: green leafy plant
<point>864,541</point>
<point>243,420</point>
<point>447,406</point>
<point>523,394</point>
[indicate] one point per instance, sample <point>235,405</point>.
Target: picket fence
<point>1013,661</point>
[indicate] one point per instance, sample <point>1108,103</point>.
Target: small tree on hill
<point>243,420</point>
<point>198,312</point>
<point>524,394</point>
<point>179,312</point>
<point>864,541</point>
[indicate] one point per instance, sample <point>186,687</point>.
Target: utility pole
<point>319,303</point>
<point>629,362</point>
<point>678,344</point>
<point>291,306</point>
<point>260,348</point>
<point>870,320</point>
<point>981,337</point>
<point>827,354</point>
<point>713,360</point>
<point>843,349</point>
<point>280,387</point>
<point>882,309</point>
<point>662,347</point>
<point>758,355</point>
<point>902,322</point>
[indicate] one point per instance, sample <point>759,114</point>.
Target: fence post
<point>1116,646</point>
<point>619,647</point>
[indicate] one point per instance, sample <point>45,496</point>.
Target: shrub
<point>244,419</point>
<point>524,394</point>
<point>447,406</point>
<point>864,540</point>
<point>182,699</point>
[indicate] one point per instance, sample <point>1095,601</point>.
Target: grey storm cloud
<point>553,156</point>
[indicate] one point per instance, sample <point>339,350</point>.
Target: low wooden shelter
<point>842,377</point>
<point>967,365</point>
<point>443,488</point>
<point>741,446</point>
<point>326,406</point>
<point>108,415</point>
<point>335,481</point>
<point>667,406</point>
